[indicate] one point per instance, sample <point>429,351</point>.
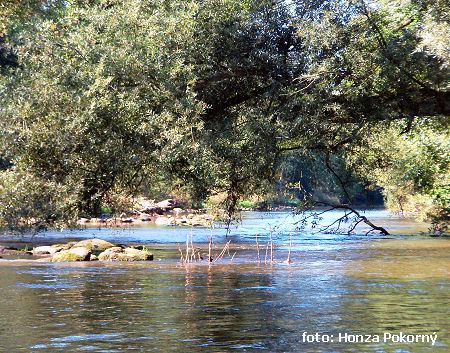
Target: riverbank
<point>169,212</point>
<point>165,213</point>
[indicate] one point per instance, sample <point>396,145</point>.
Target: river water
<point>337,286</point>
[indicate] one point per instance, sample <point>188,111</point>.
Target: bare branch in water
<point>257,249</point>
<point>348,211</point>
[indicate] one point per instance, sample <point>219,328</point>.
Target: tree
<point>110,96</point>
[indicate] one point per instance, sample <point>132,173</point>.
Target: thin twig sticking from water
<point>192,248</point>
<point>271,245</point>
<point>288,260</point>
<point>257,249</point>
<point>210,259</point>
<point>267,251</point>
<point>181,254</point>
<point>223,251</point>
<point>232,257</point>
<point>187,248</point>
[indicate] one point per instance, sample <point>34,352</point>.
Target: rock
<point>165,221</point>
<point>177,210</point>
<point>203,219</point>
<point>110,254</point>
<point>98,220</point>
<point>137,255</point>
<point>127,254</point>
<point>166,204</point>
<point>94,244</point>
<point>93,258</point>
<point>150,207</point>
<point>2,248</point>
<point>66,246</point>
<point>145,218</point>
<point>12,251</point>
<point>182,221</point>
<point>153,210</point>
<point>127,220</point>
<point>73,254</point>
<point>47,250</point>
<point>198,223</point>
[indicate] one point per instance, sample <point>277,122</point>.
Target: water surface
<point>336,284</point>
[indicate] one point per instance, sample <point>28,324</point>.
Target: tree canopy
<point>108,98</point>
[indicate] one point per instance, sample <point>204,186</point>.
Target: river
<point>337,286</point>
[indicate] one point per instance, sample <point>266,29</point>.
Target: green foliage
<point>412,168</point>
<point>324,177</point>
<point>109,99</point>
<point>27,201</point>
<point>106,209</point>
<point>246,204</point>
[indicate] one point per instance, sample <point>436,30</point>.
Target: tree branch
<point>360,218</point>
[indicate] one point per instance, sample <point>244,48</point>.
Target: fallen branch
<point>360,217</point>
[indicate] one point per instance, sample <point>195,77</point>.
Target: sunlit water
<point>335,285</point>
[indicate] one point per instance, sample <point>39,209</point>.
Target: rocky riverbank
<point>164,213</point>
<point>84,250</point>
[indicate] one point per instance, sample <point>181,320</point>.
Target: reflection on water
<point>252,223</point>
<point>356,287</point>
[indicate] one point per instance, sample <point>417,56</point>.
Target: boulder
<point>73,254</point>
<point>127,254</point>
<point>177,210</point>
<point>137,255</point>
<point>145,218</point>
<point>166,204</point>
<point>12,251</point>
<point>182,221</point>
<point>98,220</point>
<point>94,244</point>
<point>165,221</point>
<point>47,250</point>
<point>110,254</point>
<point>152,210</point>
<point>66,246</point>
<point>127,220</point>
<point>203,220</point>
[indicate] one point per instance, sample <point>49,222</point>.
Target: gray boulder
<point>127,254</point>
<point>94,244</point>
<point>73,254</point>
<point>47,250</point>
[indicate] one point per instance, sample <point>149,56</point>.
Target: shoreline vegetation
<point>170,212</point>
<point>343,102</point>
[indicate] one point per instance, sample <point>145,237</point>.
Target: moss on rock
<point>94,244</point>
<point>127,254</point>
<point>73,254</point>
